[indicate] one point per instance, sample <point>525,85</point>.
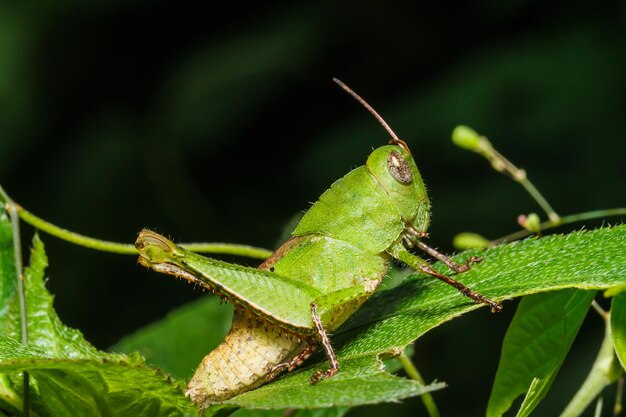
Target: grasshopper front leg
<point>420,264</point>
<point>458,268</point>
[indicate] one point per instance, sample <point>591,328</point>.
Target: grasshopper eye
<point>398,168</point>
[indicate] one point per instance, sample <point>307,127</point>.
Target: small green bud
<point>613,291</point>
<point>467,138</point>
<point>530,222</point>
<point>468,240</point>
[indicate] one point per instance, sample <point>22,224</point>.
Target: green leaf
<point>70,376</point>
<point>178,342</point>
<point>618,326</point>
<point>95,387</point>
<point>605,370</point>
<point>45,330</point>
<point>361,381</point>
<point>535,346</point>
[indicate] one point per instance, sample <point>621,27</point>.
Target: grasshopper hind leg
<point>308,351</point>
<point>330,353</point>
<point>297,360</point>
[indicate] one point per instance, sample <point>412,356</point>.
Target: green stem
<point>228,249</point>
<point>17,252</point>
<point>532,190</point>
<point>129,249</point>
<point>603,314</point>
<point>413,373</point>
<point>572,218</point>
<point>78,239</point>
<point>502,164</point>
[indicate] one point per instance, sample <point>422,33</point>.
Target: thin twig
<point>600,310</point>
<point>17,252</point>
<point>413,373</point>
<point>549,224</point>
<point>127,248</point>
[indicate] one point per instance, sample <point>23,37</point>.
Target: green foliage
<point>115,386</point>
<point>71,377</point>
<point>45,330</point>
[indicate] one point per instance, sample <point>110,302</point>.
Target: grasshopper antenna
<point>395,139</point>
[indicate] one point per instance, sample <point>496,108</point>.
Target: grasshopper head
<point>394,168</point>
<point>154,248</point>
<point>397,174</point>
<point>162,255</point>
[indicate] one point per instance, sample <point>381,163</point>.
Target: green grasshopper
<point>335,260</point>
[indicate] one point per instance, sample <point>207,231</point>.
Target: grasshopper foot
<point>467,265</point>
<point>319,375</point>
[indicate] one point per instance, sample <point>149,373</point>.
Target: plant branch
<point>127,248</point>
<point>12,210</point>
<point>413,373</point>
<point>549,224</point>
<point>468,138</point>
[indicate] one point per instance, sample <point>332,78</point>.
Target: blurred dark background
<point>222,125</point>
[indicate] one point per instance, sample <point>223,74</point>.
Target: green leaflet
<point>535,346</point>
<point>394,318</point>
<point>70,376</point>
<point>45,330</point>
